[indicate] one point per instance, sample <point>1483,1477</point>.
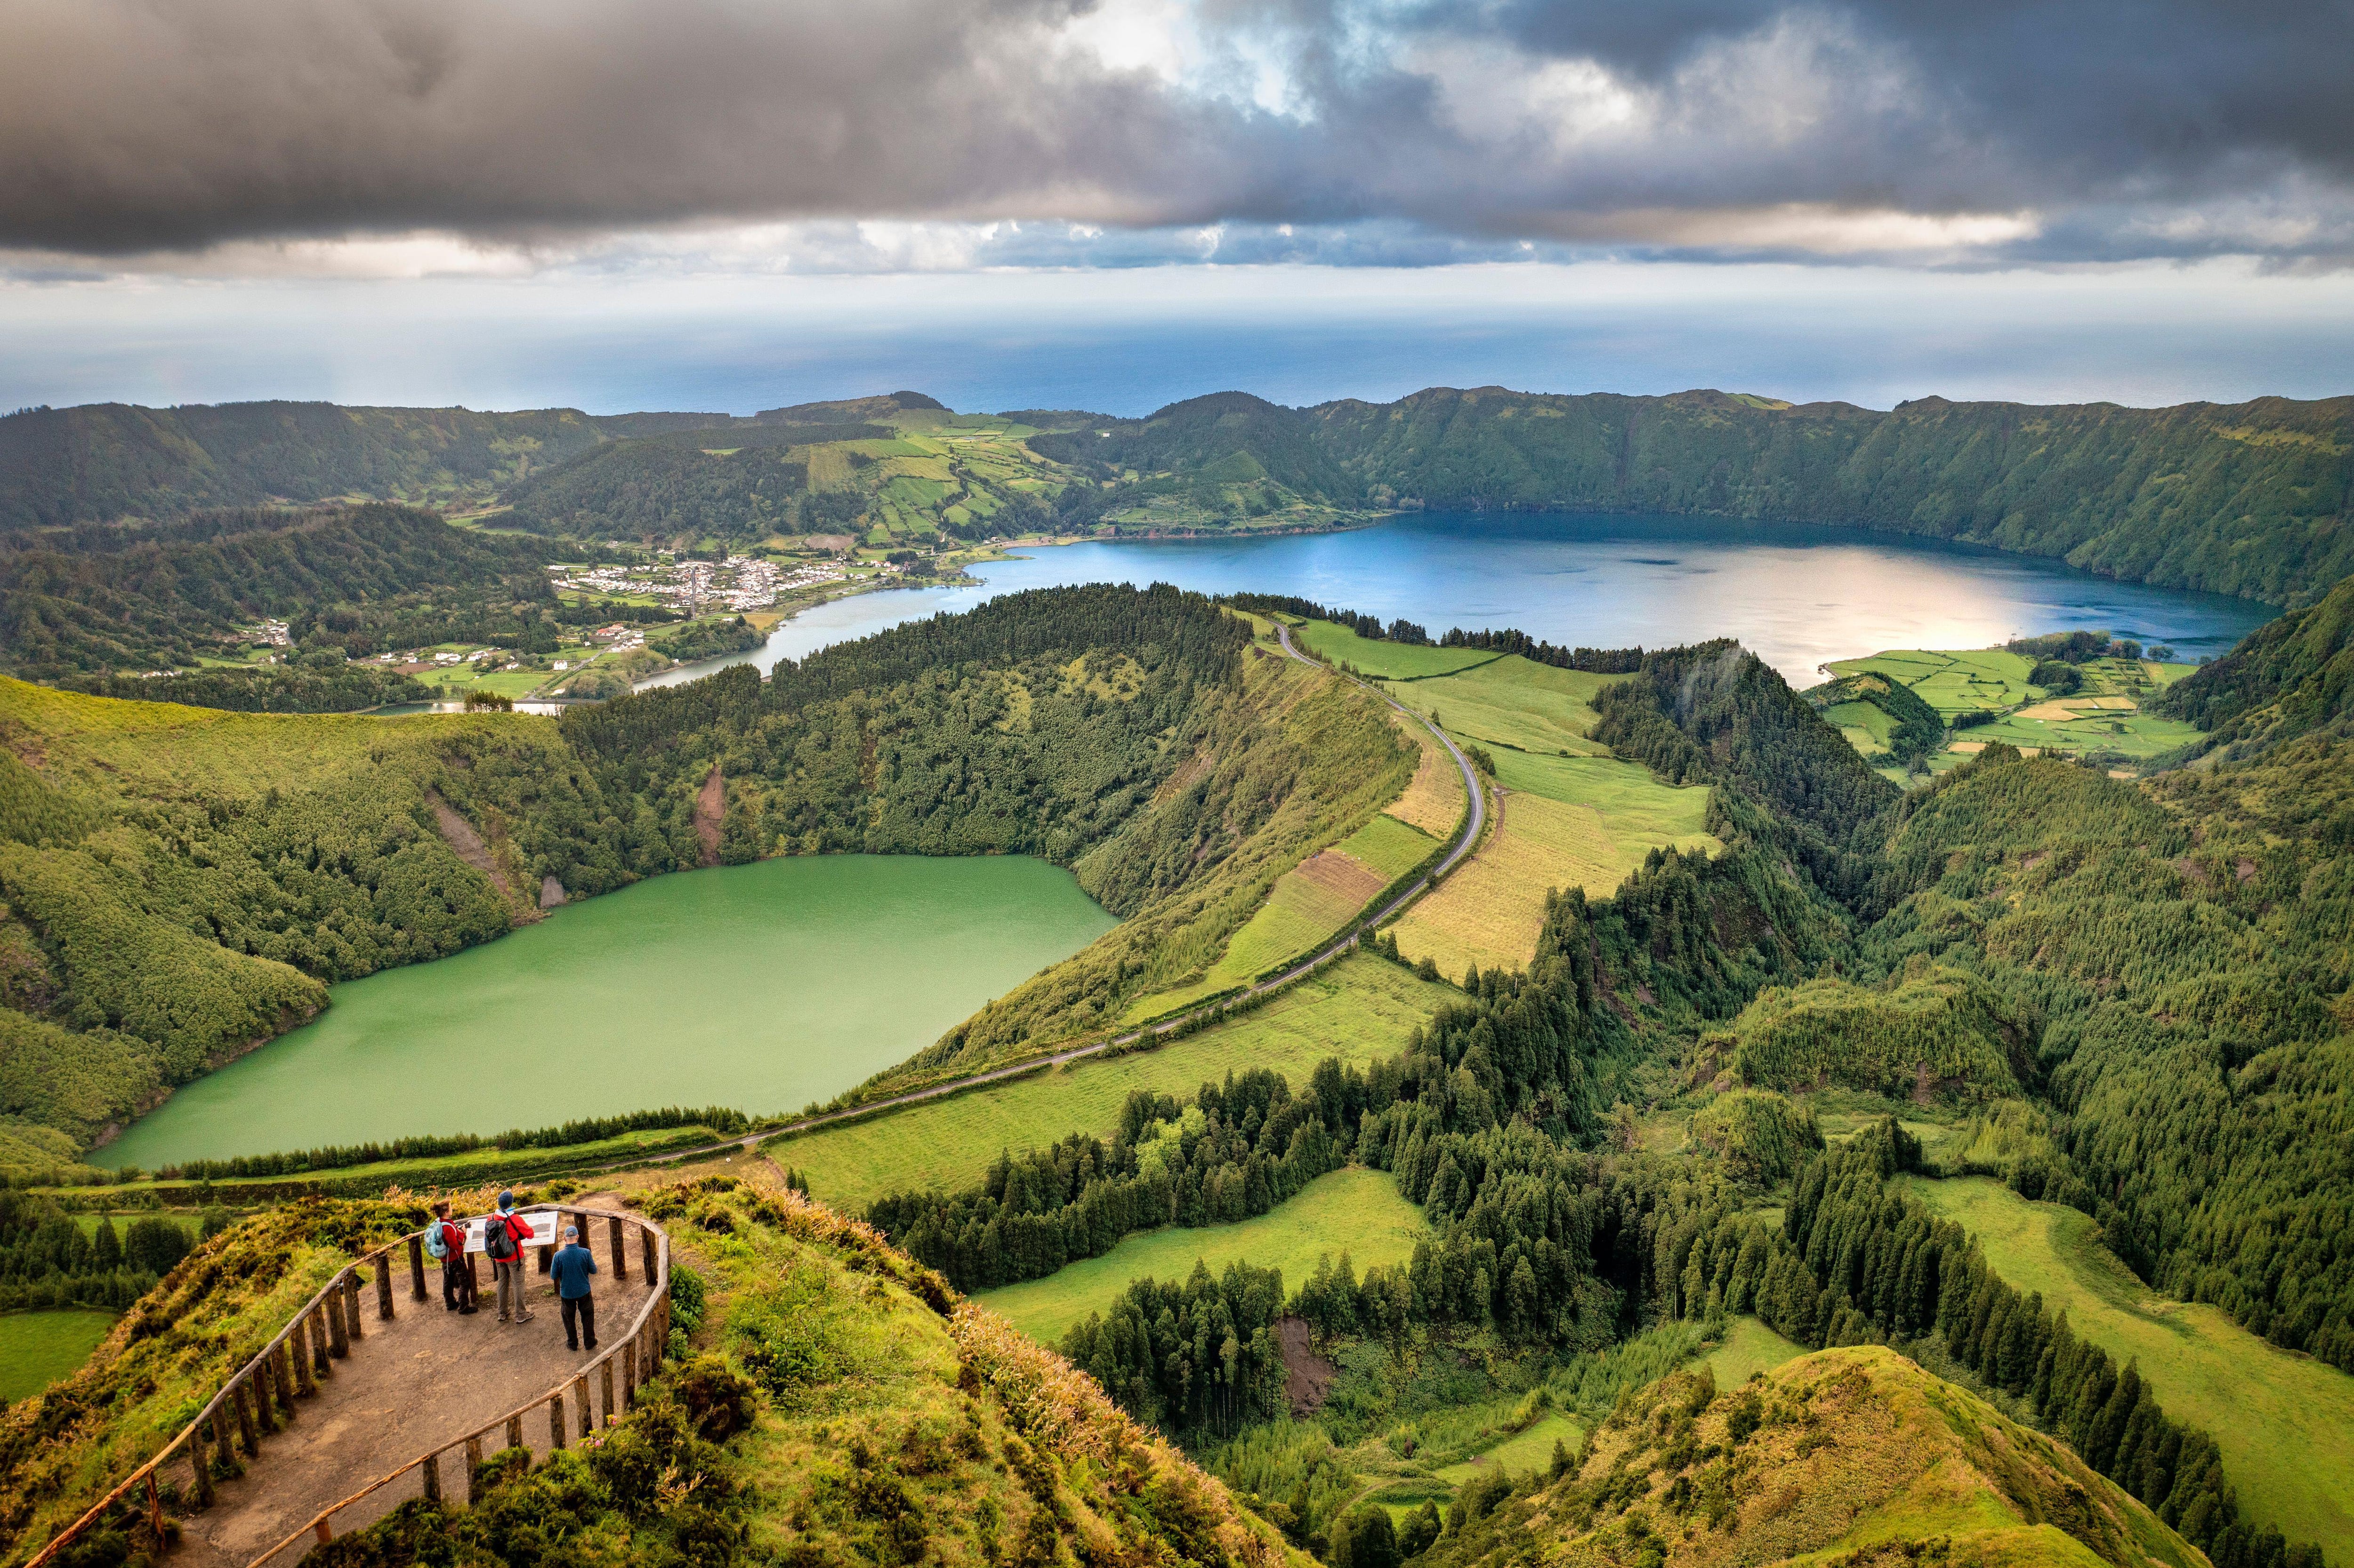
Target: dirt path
<point>425,1379</point>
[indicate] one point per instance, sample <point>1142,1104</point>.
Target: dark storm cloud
<point>1688,126</point>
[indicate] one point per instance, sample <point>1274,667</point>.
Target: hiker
<point>505,1235</point>
<point>572,1266</point>
<point>446,1239</point>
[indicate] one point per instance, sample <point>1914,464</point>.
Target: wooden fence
<point>258,1398</point>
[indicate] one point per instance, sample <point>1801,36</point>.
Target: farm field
<point>1355,1210</point>
<point>1951,681</point>
<point>1433,801</point>
<point>1512,702</point>
<point>1359,1009</point>
<point>1382,660</point>
<point>2260,1403</point>
<point>1391,846</point>
<point>1565,821</point>
<point>2075,724</point>
<point>38,1348</point>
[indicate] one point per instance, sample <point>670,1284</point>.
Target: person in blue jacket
<point>572,1265</point>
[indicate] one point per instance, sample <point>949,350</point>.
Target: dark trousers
<point>457,1281</point>
<point>584,1308</point>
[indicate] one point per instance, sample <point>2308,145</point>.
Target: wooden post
<point>606,1366</point>
<point>473,1469</point>
<point>265,1420</point>
<point>243,1399</point>
<point>281,1372</point>
<point>200,1451</point>
<point>384,1287</point>
<point>620,1253</point>
<point>646,1252</point>
<point>555,1420</point>
<point>338,1345</point>
<point>581,1404</point>
<point>318,1337</point>
<point>155,1511</point>
<point>430,1465</point>
<point>351,1302</point>
<point>514,1431</point>
<point>325,1530</point>
<point>630,1374</point>
<point>417,1269</point>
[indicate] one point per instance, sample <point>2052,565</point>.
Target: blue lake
<point>1797,595</point>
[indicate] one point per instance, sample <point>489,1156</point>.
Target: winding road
<point>1476,820</point>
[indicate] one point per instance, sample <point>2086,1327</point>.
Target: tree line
<point>1240,1149</point>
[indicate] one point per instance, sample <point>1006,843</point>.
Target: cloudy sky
<point>729,203</point>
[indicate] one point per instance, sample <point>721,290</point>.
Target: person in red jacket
<point>445,1239</point>
<point>506,1234</point>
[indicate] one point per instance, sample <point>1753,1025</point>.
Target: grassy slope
<point>936,1397</point>
<point>2262,1403</point>
<point>1355,1210</point>
<point>1860,1451</point>
<point>1531,1448</point>
<point>171,1351</point>
<point>36,1349</point>
<point>1513,702</point>
<point>1749,1347</point>
<point>1360,1009</point>
<point>1433,801</point>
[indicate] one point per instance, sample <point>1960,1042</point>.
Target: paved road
<point>1463,846</point>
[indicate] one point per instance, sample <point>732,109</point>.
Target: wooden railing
<point>258,1398</point>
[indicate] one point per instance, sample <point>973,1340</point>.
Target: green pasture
<point>36,1349</point>
<point>1638,811</point>
<point>1748,1347</point>
<point>1952,682</point>
<point>1531,1448</point>
<point>2134,735</point>
<point>1383,661</point>
<point>1866,725</point>
<point>1513,702</point>
<point>1355,1210</point>
<point>1390,847</point>
<point>1359,1009</point>
<point>2262,1403</point>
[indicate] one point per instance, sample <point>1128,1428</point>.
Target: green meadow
<point>1637,810</point>
<point>1749,1347</point>
<point>1531,1448</point>
<point>1355,1210</point>
<point>1359,1009</point>
<point>1390,847</point>
<point>1381,660</point>
<point>38,1348</point>
<point>1513,702</point>
<point>2262,1403</point>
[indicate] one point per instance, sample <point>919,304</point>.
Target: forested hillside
<point>111,461</point>
<point>369,576</point>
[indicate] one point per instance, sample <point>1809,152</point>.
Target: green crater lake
<point>762,987</point>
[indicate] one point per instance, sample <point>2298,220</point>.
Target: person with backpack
<point>505,1235</point>
<point>445,1240</point>
<point>572,1266</point>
